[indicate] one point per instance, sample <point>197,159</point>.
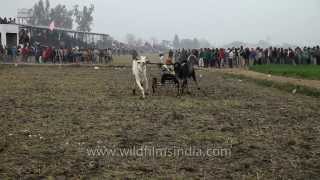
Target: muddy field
<point>52,116</point>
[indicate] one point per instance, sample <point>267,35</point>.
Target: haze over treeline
<point>43,13</point>
<point>220,22</point>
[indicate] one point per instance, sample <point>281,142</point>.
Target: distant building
<point>23,16</point>
<point>9,35</point>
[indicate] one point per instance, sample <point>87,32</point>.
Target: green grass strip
<point>300,71</point>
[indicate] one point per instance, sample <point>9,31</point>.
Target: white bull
<point>139,70</point>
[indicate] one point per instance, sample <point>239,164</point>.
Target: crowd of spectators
<point>52,52</point>
<point>206,57</point>
<point>5,20</point>
<point>46,54</point>
<point>50,47</point>
<point>244,57</point>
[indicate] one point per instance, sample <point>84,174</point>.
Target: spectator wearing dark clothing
<point>318,55</point>
<point>7,21</point>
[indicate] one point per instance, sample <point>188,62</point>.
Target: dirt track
<point>50,116</point>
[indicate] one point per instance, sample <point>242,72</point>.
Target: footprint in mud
<point>177,116</point>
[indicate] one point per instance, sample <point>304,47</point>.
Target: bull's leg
<point>177,83</point>
<point>154,85</point>
<point>146,83</point>
<point>141,88</point>
<point>134,85</point>
<point>178,87</point>
<point>134,88</point>
<point>184,84</point>
<point>188,87</point>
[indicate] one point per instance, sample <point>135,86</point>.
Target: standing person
<point>7,54</point>
<point>237,57</point>
<point>247,57</point>
<point>51,54</point>
<point>201,62</point>
<point>318,55</point>
<point>24,54</point>
<point>278,55</point>
<point>110,56</point>
<point>45,55</point>
<point>274,55</point>
<point>77,55</point>
<point>291,56</point>
<point>269,56</point>
<point>285,55</point>
<point>4,21</point>
<point>214,58</point>
<point>96,56</point>
<point>304,56</point>
<point>101,55</point>
<point>265,56</point>
<point>298,57</point>
<point>230,58</point>
<point>66,58</point>
<point>252,57</point>
<point>206,57</point>
<point>221,58</point>
<point>1,50</point>
<point>282,56</point>
<point>55,55</point>
<point>211,57</point>
<point>60,55</point>
<point>13,52</point>
<point>242,54</point>
<point>313,56</point>
<point>259,56</point>
<point>38,53</point>
<point>119,51</point>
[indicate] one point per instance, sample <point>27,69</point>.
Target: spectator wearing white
<point>231,58</point>
<point>259,55</point>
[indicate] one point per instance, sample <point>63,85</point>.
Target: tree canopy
<point>61,16</point>
<point>84,17</point>
<point>43,14</point>
<point>40,13</point>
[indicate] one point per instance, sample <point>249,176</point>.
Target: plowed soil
<point>51,116</point>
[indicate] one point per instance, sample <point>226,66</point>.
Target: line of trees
<point>176,43</point>
<point>42,14</point>
<point>189,43</point>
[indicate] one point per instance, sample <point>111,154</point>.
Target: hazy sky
<point>219,21</point>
